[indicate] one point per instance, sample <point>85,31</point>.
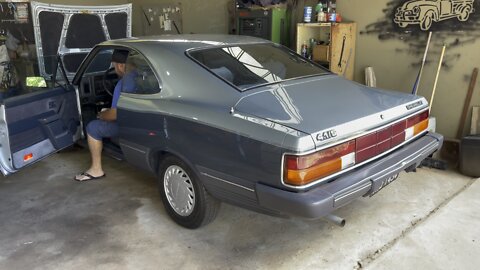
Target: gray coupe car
<point>234,119</point>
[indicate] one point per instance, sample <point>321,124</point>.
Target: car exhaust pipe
<point>335,220</point>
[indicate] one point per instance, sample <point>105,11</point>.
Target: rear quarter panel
<point>191,118</point>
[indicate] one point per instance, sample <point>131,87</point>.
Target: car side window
<point>100,63</point>
<point>139,77</point>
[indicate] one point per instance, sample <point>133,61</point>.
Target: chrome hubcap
<point>179,190</point>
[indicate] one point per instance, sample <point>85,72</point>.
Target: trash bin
<point>470,156</point>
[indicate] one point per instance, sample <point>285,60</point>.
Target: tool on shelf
<point>341,53</point>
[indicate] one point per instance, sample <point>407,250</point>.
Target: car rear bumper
<point>365,181</point>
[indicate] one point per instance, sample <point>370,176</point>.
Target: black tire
<point>464,15</point>
<point>205,207</point>
<point>427,21</point>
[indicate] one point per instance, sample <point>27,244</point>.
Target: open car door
<point>37,124</point>
<point>40,121</point>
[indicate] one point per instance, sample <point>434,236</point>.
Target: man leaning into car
<point>106,126</point>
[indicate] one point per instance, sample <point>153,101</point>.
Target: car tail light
<point>416,124</point>
<point>302,170</point>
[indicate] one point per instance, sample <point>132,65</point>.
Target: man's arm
<point>108,114</point>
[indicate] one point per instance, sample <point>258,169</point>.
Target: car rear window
<point>252,65</point>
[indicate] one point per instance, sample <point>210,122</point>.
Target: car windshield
<point>249,66</point>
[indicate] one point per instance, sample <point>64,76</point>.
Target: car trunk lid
<point>327,107</point>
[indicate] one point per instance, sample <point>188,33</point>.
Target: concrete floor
<point>426,220</point>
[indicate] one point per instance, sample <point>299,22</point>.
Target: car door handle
<point>49,119</point>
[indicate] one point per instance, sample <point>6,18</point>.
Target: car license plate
<point>385,182</point>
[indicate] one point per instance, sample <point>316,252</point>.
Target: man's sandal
<point>87,177</point>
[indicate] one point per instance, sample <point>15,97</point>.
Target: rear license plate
<point>383,183</point>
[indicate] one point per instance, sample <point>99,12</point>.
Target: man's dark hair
<point>119,56</point>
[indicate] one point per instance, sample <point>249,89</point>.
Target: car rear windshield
<point>252,65</point>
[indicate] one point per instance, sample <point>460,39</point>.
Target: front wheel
<point>426,22</point>
<point>184,197</point>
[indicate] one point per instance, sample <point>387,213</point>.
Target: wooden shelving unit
<point>341,40</point>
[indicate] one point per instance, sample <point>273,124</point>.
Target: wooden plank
<point>466,105</point>
<point>343,49</point>
<point>475,126</point>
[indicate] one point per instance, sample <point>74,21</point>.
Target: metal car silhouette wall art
<point>426,12</point>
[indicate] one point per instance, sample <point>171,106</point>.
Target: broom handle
<point>419,76</point>
<point>436,77</point>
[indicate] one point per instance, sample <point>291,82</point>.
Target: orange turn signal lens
<point>420,127</point>
<point>301,170</point>
<point>302,177</point>
<point>27,157</point>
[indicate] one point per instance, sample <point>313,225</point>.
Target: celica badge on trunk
<point>329,134</point>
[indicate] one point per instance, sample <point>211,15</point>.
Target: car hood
<point>327,107</point>
<point>72,31</point>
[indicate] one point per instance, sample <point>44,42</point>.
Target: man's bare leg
<point>95,170</point>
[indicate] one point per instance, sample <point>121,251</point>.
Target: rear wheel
<point>465,14</point>
<point>184,197</point>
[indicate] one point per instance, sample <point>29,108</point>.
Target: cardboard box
<point>321,53</point>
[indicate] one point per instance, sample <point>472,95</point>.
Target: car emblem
<point>414,105</point>
<point>323,136</point>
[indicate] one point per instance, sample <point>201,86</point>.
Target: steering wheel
<point>108,76</point>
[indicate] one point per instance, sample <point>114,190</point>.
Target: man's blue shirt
<point>126,84</point>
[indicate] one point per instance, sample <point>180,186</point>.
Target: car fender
<point>159,153</point>
<point>424,10</point>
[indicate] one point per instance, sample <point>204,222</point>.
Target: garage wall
<point>396,62</point>
<point>198,16</point>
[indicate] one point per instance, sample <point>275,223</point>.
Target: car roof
<point>182,43</point>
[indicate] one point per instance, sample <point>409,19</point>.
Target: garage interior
<point>427,219</point>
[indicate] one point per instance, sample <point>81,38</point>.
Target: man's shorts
<point>99,129</point>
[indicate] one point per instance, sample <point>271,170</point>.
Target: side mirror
<point>36,82</point>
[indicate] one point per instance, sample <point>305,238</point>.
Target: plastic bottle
<point>304,50</point>
<point>332,11</point>
<point>319,7</point>
<point>321,16</point>
<point>332,6</point>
